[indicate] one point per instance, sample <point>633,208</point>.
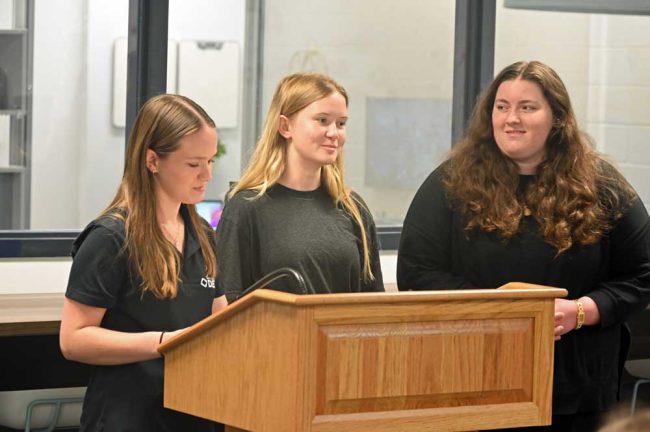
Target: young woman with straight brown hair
<point>144,270</point>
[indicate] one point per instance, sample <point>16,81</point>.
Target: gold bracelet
<point>580,317</point>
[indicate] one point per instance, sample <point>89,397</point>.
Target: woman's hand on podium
<point>567,311</point>
<point>565,317</point>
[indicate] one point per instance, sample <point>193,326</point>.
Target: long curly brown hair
<point>576,193</point>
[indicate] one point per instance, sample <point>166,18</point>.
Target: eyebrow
<point>520,102</point>
<point>201,157</point>
<point>329,114</point>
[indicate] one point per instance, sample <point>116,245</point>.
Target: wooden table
<point>30,314</point>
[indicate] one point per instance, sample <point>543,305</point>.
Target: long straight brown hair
<point>576,192</point>
<point>269,159</point>
<point>162,121</point>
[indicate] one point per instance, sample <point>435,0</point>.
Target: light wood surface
<point>40,313</point>
<point>30,314</point>
<point>515,290</point>
<point>416,361</point>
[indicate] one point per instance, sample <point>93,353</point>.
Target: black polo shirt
<point>130,397</point>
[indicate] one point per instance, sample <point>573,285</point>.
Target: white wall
<point>77,152</point>
<point>375,49</point>
<point>58,113</point>
<point>28,276</point>
<point>391,52</point>
<point>218,20</point>
<point>619,94</point>
<point>34,275</point>
<point>564,46</point>
<point>102,146</point>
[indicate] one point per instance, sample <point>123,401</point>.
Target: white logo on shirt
<point>207,282</point>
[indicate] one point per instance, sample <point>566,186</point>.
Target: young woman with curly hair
<point>524,197</point>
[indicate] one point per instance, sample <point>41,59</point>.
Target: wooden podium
<point>370,362</point>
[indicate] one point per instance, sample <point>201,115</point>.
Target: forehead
<point>201,143</point>
<point>520,89</point>
<point>332,103</point>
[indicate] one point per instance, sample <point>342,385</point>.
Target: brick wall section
<point>619,94</point>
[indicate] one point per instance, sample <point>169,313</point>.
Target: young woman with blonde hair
<point>144,270</point>
<point>291,207</point>
<point>524,197</point>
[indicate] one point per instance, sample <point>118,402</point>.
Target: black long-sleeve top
<point>437,253</point>
<point>304,230</point>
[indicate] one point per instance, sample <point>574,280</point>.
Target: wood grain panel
<point>426,311</point>
<point>450,363</point>
<point>471,418</point>
<point>244,375</point>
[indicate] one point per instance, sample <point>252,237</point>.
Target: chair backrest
<point>640,327</point>
<point>39,405</point>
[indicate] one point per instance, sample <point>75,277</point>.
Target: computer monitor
<point>210,210</point>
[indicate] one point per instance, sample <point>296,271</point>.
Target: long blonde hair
<point>162,121</point>
<point>576,192</point>
<point>268,162</point>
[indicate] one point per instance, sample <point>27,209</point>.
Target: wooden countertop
<point>39,314</point>
<point>30,314</point>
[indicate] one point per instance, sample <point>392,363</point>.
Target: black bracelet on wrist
<point>161,336</point>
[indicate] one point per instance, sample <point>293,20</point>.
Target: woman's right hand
<point>565,317</point>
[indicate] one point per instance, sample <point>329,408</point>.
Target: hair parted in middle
<point>268,162</point>
<point>575,189</point>
<point>160,124</point>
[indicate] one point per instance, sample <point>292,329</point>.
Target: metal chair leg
<point>635,392</point>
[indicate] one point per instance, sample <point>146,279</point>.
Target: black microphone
<point>275,275</point>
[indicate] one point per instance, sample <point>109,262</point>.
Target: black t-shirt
<point>130,397</point>
<point>302,230</point>
<point>437,253</point>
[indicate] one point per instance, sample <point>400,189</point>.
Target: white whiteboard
<point>119,78</point>
<point>209,74</point>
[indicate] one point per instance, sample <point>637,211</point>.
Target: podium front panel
<point>389,359</point>
<point>372,367</point>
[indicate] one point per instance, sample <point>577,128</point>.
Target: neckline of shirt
<point>318,192</point>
